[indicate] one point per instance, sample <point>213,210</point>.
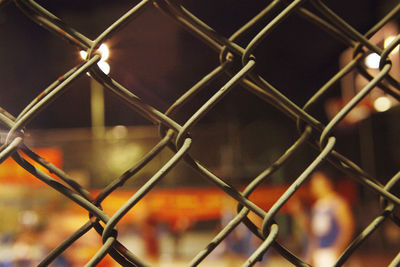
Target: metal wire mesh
<point>176,136</point>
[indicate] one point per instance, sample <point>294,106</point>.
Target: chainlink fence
<point>240,65</point>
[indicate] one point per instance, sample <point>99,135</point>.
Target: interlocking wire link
<point>175,136</point>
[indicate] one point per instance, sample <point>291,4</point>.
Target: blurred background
<point>95,137</point>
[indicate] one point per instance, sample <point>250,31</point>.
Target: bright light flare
<point>105,53</point>
<point>387,42</point>
<point>372,61</point>
<point>104,66</point>
<point>83,54</point>
<point>382,104</point>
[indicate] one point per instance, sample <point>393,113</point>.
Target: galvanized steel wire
<point>175,136</point>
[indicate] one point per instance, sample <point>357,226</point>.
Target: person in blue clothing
<point>331,224</point>
<point>328,227</point>
<point>241,242</point>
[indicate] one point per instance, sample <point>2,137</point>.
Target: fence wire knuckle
<point>238,62</point>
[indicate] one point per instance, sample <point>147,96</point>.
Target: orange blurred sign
<point>12,173</point>
<point>194,204</point>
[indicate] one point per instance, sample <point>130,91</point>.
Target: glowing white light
<point>104,52</point>
<point>104,66</point>
<point>382,104</point>
<point>372,61</point>
<point>83,54</point>
<point>387,42</point>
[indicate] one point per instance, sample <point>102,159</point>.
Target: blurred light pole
<point>97,94</point>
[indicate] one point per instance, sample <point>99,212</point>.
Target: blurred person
<point>150,236</point>
<point>178,228</point>
<point>148,226</point>
<point>329,225</point>
<point>332,223</point>
<point>240,244</point>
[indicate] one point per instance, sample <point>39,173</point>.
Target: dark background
<point>158,61</point>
